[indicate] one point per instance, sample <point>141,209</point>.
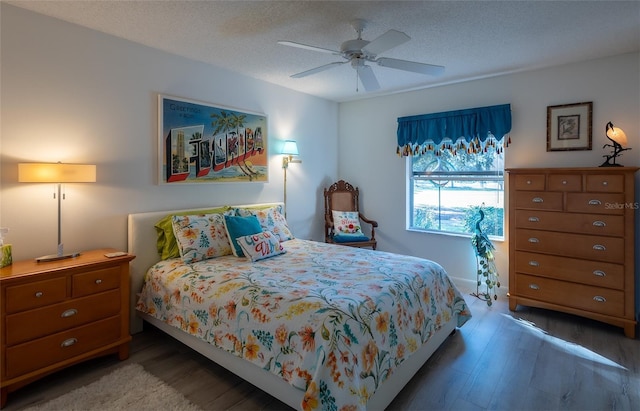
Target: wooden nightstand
<point>59,313</point>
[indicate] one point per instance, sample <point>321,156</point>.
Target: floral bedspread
<point>333,321</point>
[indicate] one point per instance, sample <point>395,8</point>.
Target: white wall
<point>79,96</point>
<point>367,142</point>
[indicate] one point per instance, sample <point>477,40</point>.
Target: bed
<point>322,325</point>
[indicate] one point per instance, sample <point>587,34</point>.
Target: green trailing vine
<point>487,271</point>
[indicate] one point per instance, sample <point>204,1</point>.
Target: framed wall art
<point>205,143</point>
<point>569,127</point>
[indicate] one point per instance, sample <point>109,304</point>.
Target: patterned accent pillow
<point>166,240</point>
<point>237,226</point>
<point>200,237</point>
<point>260,246</point>
<point>346,223</point>
<point>271,219</point>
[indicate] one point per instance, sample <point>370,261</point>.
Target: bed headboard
<point>142,243</point>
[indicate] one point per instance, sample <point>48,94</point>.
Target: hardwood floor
<point>531,359</point>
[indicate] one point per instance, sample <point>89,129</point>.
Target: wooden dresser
<point>58,313</point>
<point>571,242</point>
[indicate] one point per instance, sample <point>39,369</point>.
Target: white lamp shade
<point>56,173</point>
<point>617,135</point>
<point>290,148</point>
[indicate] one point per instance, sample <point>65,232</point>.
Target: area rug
<point>127,388</point>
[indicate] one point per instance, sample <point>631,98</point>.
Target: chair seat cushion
<point>349,238</point>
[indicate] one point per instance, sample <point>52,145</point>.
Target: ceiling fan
<point>359,51</point>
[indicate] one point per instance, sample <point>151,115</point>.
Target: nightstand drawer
<point>585,297</point>
<point>39,322</point>
<point>40,353</point>
<point>95,281</point>
<point>35,294</point>
<point>597,273</point>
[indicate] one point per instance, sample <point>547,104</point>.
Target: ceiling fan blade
<point>368,79</point>
<point>318,69</point>
<point>307,47</point>
<point>413,66</point>
<point>386,41</point>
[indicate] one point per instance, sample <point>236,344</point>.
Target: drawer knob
<point>537,200</point>
<point>534,263</point>
<point>533,240</point>
<point>534,286</point>
<point>599,299</point>
<point>599,247</point>
<point>39,294</point>
<point>605,183</point>
<point>534,219</point>
<point>69,342</point>
<point>69,313</point>
<point>599,223</point>
<point>98,281</point>
<point>595,202</point>
<point>564,182</point>
<point>599,273</point>
<point>529,182</point>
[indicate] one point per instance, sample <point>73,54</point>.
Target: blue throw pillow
<point>239,227</point>
<point>349,238</point>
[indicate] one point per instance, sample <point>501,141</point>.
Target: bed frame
<point>142,244</point>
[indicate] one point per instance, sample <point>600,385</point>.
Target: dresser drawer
<point>37,354</point>
<point>589,247</point>
<point>538,200</point>
<point>584,297</point>
<point>605,183</point>
<point>596,224</point>
<point>95,281</point>
<point>28,325</point>
<point>565,182</point>
<point>596,273</point>
<point>35,294</point>
<point>600,203</point>
<point>529,182</point>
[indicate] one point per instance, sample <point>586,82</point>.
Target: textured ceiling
<point>472,39</point>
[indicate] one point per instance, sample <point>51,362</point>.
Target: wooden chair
<point>342,196</point>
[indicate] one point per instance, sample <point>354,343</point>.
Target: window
<point>446,190</point>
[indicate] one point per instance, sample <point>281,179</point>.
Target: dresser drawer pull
<point>537,200</point>
<point>534,286</point>
<point>599,223</point>
<point>534,219</point>
<point>69,313</point>
<point>39,294</point>
<point>599,299</point>
<point>534,263</point>
<point>69,342</point>
<point>599,273</point>
<point>533,240</point>
<point>595,202</point>
<point>98,281</point>
<point>599,247</point>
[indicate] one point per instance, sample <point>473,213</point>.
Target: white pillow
<point>271,219</point>
<point>346,223</point>
<point>260,246</point>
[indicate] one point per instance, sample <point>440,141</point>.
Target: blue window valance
<point>471,129</point>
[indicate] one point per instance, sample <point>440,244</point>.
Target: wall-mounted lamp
<point>289,149</point>
<point>619,140</point>
<point>59,174</point>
